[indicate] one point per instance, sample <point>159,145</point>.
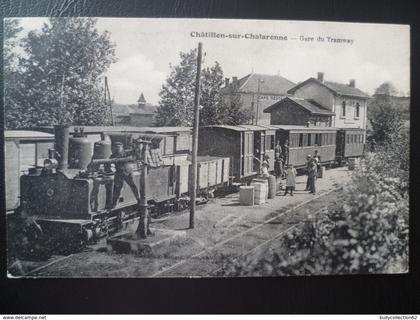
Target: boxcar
<point>350,143</point>
<point>24,149</point>
<point>244,144</point>
<point>303,141</point>
<point>264,142</point>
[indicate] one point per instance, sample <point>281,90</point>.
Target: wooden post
<point>143,227</point>
<point>193,171</point>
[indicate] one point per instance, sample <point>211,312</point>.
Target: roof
<point>303,128</point>
<point>233,128</point>
<point>244,127</point>
<point>271,84</point>
<point>309,105</point>
<point>28,135</point>
<point>141,98</point>
<point>166,129</point>
<point>120,109</point>
<point>335,87</point>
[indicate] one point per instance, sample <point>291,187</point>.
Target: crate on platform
<point>260,185</point>
<point>246,195</point>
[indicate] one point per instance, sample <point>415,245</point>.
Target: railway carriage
<point>303,141</point>
<point>350,143</point>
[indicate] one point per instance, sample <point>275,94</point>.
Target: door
<point>248,150</point>
<point>258,151</point>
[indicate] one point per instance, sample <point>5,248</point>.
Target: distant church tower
<point>141,102</point>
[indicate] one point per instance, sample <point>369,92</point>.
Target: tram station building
<point>256,92</point>
<point>322,103</point>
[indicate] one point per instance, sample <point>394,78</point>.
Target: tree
<point>10,62</point>
<point>386,88</point>
<point>385,114</point>
<point>211,98</point>
<point>177,96</point>
<point>60,77</point>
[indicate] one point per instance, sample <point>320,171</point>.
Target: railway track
<point>208,262</point>
<point>261,234</point>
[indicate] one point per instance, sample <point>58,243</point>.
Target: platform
<point>128,243</point>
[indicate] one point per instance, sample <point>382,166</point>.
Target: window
<point>300,139</point>
<point>348,139</point>
<point>343,109</point>
<point>357,110</point>
<point>318,137</point>
<point>169,145</point>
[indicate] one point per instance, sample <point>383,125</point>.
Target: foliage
<point>176,103</point>
<point>386,88</point>
<point>366,231</point>
<point>386,122</point>
<point>59,78</point>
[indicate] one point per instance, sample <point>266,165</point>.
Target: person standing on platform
<point>312,174</point>
<point>286,152</point>
<point>308,161</point>
<point>290,179</point>
<point>317,158</point>
<point>278,161</point>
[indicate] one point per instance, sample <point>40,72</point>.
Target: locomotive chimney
<point>62,136</point>
<point>321,76</point>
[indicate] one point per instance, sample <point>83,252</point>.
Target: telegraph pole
<point>193,171</point>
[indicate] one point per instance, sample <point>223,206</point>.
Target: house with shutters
<point>347,103</point>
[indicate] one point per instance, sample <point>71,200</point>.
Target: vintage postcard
<point>149,147</point>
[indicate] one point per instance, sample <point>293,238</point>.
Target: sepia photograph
<point>214,148</point>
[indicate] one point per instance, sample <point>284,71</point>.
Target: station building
<point>256,92</point>
<point>322,103</point>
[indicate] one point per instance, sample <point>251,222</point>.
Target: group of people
<point>313,165</point>
<point>281,156</point>
<point>284,169</point>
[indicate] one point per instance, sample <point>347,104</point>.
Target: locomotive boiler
<point>70,197</point>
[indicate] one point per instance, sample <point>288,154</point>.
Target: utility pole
<point>258,99</point>
<point>193,171</point>
<point>108,95</point>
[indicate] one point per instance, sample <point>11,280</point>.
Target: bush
<point>366,231</point>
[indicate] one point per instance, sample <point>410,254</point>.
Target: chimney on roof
<point>226,82</point>
<point>235,83</point>
<point>320,76</point>
<point>352,83</point>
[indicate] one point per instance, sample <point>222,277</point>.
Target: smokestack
<point>352,83</point>
<point>320,76</point>
<point>226,82</point>
<point>62,135</point>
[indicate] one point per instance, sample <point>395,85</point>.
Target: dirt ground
<point>224,229</point>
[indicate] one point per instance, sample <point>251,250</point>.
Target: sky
<point>145,48</point>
